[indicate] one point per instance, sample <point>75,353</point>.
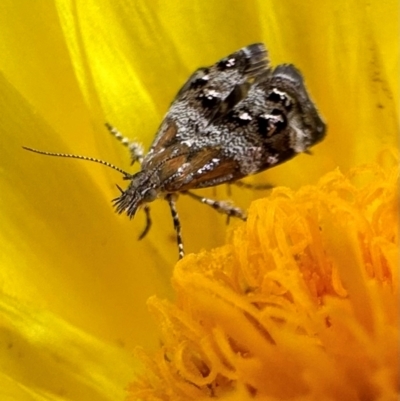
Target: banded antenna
<point>126,175</point>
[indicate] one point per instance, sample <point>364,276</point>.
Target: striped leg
<point>135,148</point>
<point>177,224</point>
<point>223,207</point>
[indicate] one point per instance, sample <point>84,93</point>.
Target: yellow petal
<point>45,358</point>
<point>59,248</point>
<point>63,248</point>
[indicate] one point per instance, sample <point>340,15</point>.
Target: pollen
<point>302,303</point>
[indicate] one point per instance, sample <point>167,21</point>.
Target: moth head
<point>141,190</point>
<point>305,123</point>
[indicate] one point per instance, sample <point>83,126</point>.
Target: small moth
<point>233,119</point>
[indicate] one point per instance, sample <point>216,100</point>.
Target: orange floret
<point>302,304</point>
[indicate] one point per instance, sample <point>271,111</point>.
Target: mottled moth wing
<point>208,93</point>
<point>180,147</point>
<point>235,118</point>
<point>230,120</point>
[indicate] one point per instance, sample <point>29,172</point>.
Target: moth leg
<point>146,210</point>
<point>135,148</point>
<point>177,224</point>
<point>223,207</point>
<point>257,187</point>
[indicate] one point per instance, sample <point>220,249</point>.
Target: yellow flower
<point>301,304</point>
<point>74,280</point>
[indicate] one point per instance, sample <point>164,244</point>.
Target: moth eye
<point>271,124</point>
<point>277,96</point>
<point>149,194</point>
<point>226,63</point>
<point>210,97</point>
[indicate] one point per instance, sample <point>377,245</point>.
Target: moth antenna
<point>80,157</point>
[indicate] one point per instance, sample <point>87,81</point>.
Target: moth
<point>230,120</point>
